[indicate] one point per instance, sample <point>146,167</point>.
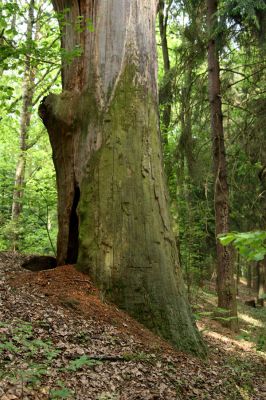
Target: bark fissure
<point>226,289</point>
<point>72,250</point>
<point>108,131</point>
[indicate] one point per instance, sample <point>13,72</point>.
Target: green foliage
<point>33,375</point>
<point>187,145</point>
<point>15,44</point>
<point>22,342</point>
<point>36,229</point>
<point>243,11</point>
<point>81,362</point>
<point>31,360</point>
<point>187,148</point>
<point>218,314</point>
<point>260,340</point>
<point>261,343</point>
<point>61,392</point>
<point>36,355</point>
<point>251,245</point>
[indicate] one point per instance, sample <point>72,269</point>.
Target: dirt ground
<point>59,340</point>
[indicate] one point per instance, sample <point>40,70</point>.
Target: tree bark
<point>249,274</point>
<point>167,82</point>
<point>104,131</point>
<point>225,271</point>
<point>261,279</point>
<point>264,275</point>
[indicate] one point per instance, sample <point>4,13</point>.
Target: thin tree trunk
<point>167,106</point>
<point>238,269</point>
<point>1,42</point>
<point>264,274</point>
<point>261,15</point>
<point>107,154</point>
<point>255,277</point>
<point>185,144</point>
<point>249,275</point>
<point>25,117</point>
<point>238,272</point>
<point>225,271</point>
<point>261,281</point>
<point>14,18</point>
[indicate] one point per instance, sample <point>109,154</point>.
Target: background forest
<point>61,336</point>
<point>30,51</point>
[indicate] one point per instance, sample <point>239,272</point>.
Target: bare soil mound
<point>58,339</point>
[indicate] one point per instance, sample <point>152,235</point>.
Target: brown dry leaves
<point>65,312</point>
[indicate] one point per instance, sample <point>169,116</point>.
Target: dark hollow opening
<point>39,263</point>
<point>73,238</point>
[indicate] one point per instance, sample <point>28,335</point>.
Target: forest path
<point>58,340</point>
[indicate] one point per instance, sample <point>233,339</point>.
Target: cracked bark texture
<point>226,288</point>
<point>104,131</point>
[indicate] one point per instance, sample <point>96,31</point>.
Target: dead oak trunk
<point>104,131</point>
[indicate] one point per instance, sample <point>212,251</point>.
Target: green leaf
<point>62,393</point>
<point>226,239</point>
<point>80,362</point>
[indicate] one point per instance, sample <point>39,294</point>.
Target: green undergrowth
<point>253,325</point>
<point>30,361</point>
<point>252,321</point>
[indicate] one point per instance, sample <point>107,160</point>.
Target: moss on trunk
<point>104,130</point>
<point>126,241</point>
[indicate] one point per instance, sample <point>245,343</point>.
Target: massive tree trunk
<point>104,133</point>
<point>225,270</point>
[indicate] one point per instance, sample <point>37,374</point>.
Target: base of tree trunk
<point>126,242</point>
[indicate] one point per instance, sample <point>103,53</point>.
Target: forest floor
<point>58,340</point>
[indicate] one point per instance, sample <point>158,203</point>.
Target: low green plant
<point>244,335</point>
<point>34,355</point>
<point>81,362</point>
<point>29,360</point>
<point>61,392</point>
<point>199,315</point>
<point>32,375</point>
<point>261,343</point>
<point>241,372</point>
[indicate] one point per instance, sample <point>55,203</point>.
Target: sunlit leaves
<point>251,245</point>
